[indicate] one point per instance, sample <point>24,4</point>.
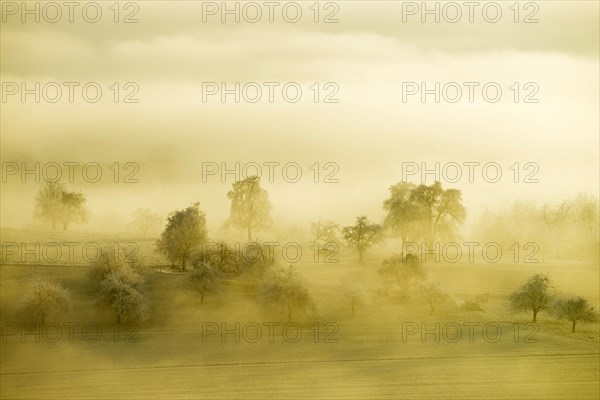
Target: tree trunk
<point>201,297</point>
<point>249,230</point>
<point>535,316</point>
<point>118,319</point>
<point>573,326</point>
<point>360,255</point>
<point>289,315</point>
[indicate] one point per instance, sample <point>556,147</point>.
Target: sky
<point>360,144</point>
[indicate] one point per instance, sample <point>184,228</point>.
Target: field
<point>189,349</point>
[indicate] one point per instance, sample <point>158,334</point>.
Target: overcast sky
<point>369,133</point>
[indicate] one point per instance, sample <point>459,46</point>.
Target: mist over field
<point>341,199</point>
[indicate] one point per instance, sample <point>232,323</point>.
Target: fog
<point>157,127</point>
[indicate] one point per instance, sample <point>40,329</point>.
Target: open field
<point>370,355</point>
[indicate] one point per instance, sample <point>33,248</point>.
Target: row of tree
<point>568,229</point>
<point>538,295</point>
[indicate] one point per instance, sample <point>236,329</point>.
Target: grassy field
<point>370,355</point>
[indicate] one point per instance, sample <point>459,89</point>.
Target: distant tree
<point>108,265</point>
<point>250,207</point>
<point>44,297</point>
<point>534,295</point>
<point>363,235</point>
<point>434,296</point>
<point>325,232</point>
<point>574,308</point>
<point>402,270</point>
<point>439,210</point>
<point>204,278</point>
<point>220,255</point>
<point>402,213</point>
<point>185,230</point>
<point>124,299</point>
<point>355,294</point>
<point>556,219</point>
<point>585,210</point>
<point>53,203</point>
<point>144,221</point>
<point>326,236</point>
<point>284,289</point>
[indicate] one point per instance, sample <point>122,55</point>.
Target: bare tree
<point>44,297</point>
<point>107,264</point>
<point>144,221</point>
<point>250,207</point>
<point>53,203</point>
<point>574,309</point>
<point>404,271</point>
<point>402,213</point>
<point>362,235</point>
<point>355,294</point>
<point>534,295</point>
<point>325,232</point>
<point>284,289</point>
<point>439,210</point>
<point>204,278</point>
<point>185,230</point>
<point>124,299</point>
<point>434,296</point>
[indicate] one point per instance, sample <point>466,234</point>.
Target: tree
<point>53,203</point>
<point>124,299</point>
<point>185,230</point>
<point>355,294</point>
<point>118,287</point>
<point>363,235</point>
<point>107,265</point>
<point>434,296</point>
<point>533,295</point>
<point>439,210</point>
<point>284,289</point>
<point>250,207</point>
<point>144,221</point>
<point>556,219</point>
<point>402,212</point>
<point>574,308</point>
<point>402,270</point>
<point>204,278</point>
<point>44,297</point>
<point>325,234</point>
<point>221,256</point>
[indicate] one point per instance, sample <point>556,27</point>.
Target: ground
<point>191,350</point>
